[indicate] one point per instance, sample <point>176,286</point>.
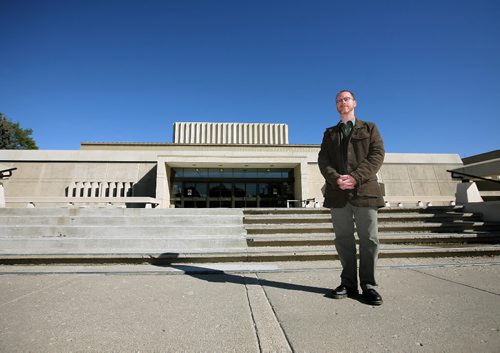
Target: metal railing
<point>303,203</point>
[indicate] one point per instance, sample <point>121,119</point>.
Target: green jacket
<point>365,155</point>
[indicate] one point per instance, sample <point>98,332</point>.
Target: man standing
<point>351,154</point>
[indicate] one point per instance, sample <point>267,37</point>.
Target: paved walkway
<point>430,305</point>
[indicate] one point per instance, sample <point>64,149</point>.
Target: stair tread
<point>251,251</point>
<point>381,215</point>
<point>285,236</point>
<point>387,225</point>
<point>388,247</point>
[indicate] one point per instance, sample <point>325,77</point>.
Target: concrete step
<point>63,231</point>
<point>387,238</point>
<point>383,218</point>
<point>256,255</point>
<point>114,220</point>
<point>91,231</point>
<point>448,227</point>
<point>322,210</point>
<point>119,245</point>
<point>130,212</point>
<point>211,235</point>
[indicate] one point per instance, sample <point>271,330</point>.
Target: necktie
<point>346,128</point>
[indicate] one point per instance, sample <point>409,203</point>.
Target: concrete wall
<point>62,174</point>
<point>407,178</point>
<point>56,178</point>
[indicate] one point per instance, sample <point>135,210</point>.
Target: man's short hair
<point>345,90</point>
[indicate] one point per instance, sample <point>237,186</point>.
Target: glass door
<point>220,195</point>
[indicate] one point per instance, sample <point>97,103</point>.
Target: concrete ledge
<point>489,193</point>
<point>68,201</point>
<point>237,256</point>
<point>489,209</point>
<point>419,201</point>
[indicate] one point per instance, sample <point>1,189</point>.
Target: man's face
<point>345,103</point>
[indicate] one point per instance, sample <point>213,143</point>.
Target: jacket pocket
<point>360,135</point>
<point>370,189</point>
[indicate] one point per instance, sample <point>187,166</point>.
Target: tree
<point>14,137</point>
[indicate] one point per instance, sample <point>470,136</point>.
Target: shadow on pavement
<point>219,276</point>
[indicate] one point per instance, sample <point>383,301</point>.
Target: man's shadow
<point>219,276</point>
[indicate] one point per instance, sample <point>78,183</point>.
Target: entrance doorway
<point>231,188</point>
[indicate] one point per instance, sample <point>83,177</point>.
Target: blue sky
<point>427,72</point>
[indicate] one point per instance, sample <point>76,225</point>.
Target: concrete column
<point>86,188</point>
<point>176,132</point>
<point>94,189</point>
<point>71,190</point>
<point>191,133</point>
<point>112,189</point>
<point>78,189</point>
<point>2,196</point>
<point>251,136</point>
<point>119,189</point>
<point>245,133</point>
<point>162,185</point>
<point>102,189</point>
<point>224,133</point>
<point>298,186</point>
<point>197,133</point>
<point>284,134</point>
<point>219,133</point>
<point>129,189</point>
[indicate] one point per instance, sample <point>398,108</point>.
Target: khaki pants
<point>365,219</point>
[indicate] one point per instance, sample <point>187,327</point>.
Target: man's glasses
<point>345,99</point>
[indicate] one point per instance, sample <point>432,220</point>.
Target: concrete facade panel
<point>422,172</point>
<point>93,171</point>
<point>60,170</point>
<point>399,188</point>
<point>394,172</point>
<point>29,170</point>
<point>441,171</point>
<point>447,188</point>
<point>426,188</point>
<point>121,171</point>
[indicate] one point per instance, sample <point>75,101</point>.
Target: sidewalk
<point>430,305</point>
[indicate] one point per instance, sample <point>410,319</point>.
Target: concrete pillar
<point>119,189</point>
<point>129,189</point>
<point>2,196</point>
<point>299,182</point>
<point>94,188</point>
<point>102,189</point>
<point>87,188</point>
<point>78,189</point>
<point>112,189</point>
<point>162,185</point>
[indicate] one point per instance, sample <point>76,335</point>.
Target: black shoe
<point>342,292</point>
<point>371,297</point>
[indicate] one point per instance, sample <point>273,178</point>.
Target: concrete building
<point>208,165</point>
